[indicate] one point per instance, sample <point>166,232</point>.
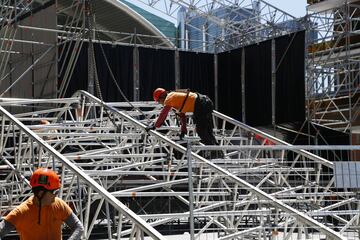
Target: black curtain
<point>157,69</point>
<point>258,110</point>
<point>229,83</point>
<point>120,59</point>
<point>197,72</point>
<point>307,133</point>
<point>327,136</point>
<point>79,78</point>
<point>290,78</point>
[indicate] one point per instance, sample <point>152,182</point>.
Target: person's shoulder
<point>175,94</point>
<point>27,203</point>
<point>63,207</point>
<point>59,201</point>
<point>59,204</point>
<point>169,97</point>
<point>170,94</point>
<point>23,208</point>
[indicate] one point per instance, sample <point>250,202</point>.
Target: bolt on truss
<point>126,182</point>
<point>333,65</point>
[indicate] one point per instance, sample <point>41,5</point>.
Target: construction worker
<point>186,101</point>
<point>41,215</point>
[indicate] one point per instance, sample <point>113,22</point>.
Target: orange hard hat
<point>157,93</point>
<point>45,178</point>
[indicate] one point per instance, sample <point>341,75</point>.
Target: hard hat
<point>45,178</point>
<point>157,93</point>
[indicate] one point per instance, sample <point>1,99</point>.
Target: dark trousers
<point>203,119</point>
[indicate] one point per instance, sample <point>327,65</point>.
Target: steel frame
<point>332,67</point>
<point>105,155</point>
<point>265,23</point>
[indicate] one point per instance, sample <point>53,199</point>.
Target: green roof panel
<point>165,27</point>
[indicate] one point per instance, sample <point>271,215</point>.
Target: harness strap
<point>183,104</point>
<point>39,216</point>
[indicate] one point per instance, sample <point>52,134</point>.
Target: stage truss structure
<point>45,54</point>
<point>129,183</point>
<point>115,174</point>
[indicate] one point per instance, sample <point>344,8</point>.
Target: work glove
<point>150,127</point>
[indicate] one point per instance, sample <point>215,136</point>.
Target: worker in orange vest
<point>186,101</point>
<point>41,216</point>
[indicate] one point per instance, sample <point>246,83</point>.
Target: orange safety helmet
<point>157,93</point>
<point>45,178</point>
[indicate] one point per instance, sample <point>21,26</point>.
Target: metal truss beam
<point>97,144</point>
<point>242,22</point>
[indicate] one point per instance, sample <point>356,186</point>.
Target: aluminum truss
<point>23,151</point>
<point>229,24</point>
<point>76,24</point>
<point>225,24</point>
<point>333,66</point>
<point>108,160</point>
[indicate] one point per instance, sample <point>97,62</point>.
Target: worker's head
<point>44,180</point>
<point>44,183</point>
<point>159,95</point>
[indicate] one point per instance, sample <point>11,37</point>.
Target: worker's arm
<point>5,228</point>
<point>74,223</point>
<point>162,116</point>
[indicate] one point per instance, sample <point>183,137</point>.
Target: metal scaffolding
<point>41,55</point>
<point>227,24</point>
<point>332,65</point>
<point>124,182</point>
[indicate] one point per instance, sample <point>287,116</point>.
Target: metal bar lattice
<point>148,173</point>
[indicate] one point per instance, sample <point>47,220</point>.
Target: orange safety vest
<point>176,100</point>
